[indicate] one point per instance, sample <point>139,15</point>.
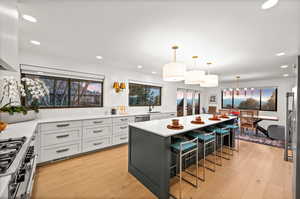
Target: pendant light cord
<point>174,55</point>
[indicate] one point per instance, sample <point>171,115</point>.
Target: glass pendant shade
<point>194,77</point>
<point>210,81</point>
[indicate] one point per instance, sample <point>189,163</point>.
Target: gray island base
<point>149,150</point>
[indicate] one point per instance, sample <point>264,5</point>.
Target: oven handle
<point>32,176</point>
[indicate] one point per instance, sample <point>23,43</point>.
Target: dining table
<point>258,119</point>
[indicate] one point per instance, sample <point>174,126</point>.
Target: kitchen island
<point>149,150</point>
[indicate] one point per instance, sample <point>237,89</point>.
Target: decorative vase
<point>17,117</point>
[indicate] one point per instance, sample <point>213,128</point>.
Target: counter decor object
<point>175,125</point>
<point>18,117</point>
<point>198,120</point>
<point>215,118</point>
<point>224,116</point>
<point>13,90</point>
<point>3,126</point>
<point>113,111</point>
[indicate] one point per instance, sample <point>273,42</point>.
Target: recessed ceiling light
<point>139,66</point>
<point>35,42</point>
<point>99,57</point>
<point>284,66</point>
<point>269,4</point>
<point>285,75</point>
<point>29,18</point>
<point>153,72</point>
<point>280,54</point>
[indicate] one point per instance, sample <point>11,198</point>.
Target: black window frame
<point>260,104</point>
<point>146,86</point>
<point>69,80</point>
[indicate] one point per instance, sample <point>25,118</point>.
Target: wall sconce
<point>119,86</point>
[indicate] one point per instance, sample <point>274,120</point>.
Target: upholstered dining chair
<point>212,110</point>
<point>247,120</point>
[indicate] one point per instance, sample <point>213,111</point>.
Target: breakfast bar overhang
<point>149,154</point>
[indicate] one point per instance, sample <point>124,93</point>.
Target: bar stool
<point>206,139</point>
<point>182,149</point>
<point>233,128</point>
<point>222,132</point>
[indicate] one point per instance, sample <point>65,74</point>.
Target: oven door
<point>25,187</point>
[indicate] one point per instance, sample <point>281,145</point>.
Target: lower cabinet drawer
<point>120,128</point>
<point>60,151</point>
<point>89,132</point>
<point>58,137</point>
<point>96,143</point>
<point>120,139</point>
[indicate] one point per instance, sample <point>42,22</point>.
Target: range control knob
<point>22,171</point>
<point>20,178</point>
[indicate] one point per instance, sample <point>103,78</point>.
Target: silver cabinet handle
<point>123,127</point>
<point>62,136</point>
<point>123,138</point>
<point>62,150</point>
<point>98,131</point>
<point>98,143</point>
<point>98,122</point>
<point>62,125</point>
<point>124,119</point>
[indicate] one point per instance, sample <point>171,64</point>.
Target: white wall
<point>111,99</point>
<point>9,21</point>
<point>284,85</point>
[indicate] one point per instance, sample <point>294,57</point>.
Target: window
<point>197,103</point>
<point>144,95</point>
<point>69,93</point>
<point>227,97</point>
<point>268,99</point>
<point>189,102</point>
<point>180,102</point>
<point>264,99</point>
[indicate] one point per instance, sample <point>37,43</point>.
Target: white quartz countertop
<point>159,127</point>
<point>19,130</point>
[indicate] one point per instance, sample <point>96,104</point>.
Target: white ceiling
<point>236,35</point>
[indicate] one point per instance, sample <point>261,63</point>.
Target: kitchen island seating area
<point>157,154</point>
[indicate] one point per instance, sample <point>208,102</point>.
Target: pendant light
<point>174,71</point>
<point>194,76</point>
<point>210,80</point>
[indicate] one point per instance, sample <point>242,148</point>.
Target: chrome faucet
<point>151,108</point>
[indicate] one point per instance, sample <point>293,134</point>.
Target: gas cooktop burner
<point>8,151</point>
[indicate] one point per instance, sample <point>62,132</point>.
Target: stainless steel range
<point>17,167</point>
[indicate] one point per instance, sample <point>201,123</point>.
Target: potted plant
<point>11,111</point>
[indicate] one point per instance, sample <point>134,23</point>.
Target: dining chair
<point>224,111</point>
<point>212,110</point>
<point>234,111</point>
<point>247,120</point>
<point>255,113</point>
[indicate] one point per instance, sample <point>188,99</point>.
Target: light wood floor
<point>256,172</point>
